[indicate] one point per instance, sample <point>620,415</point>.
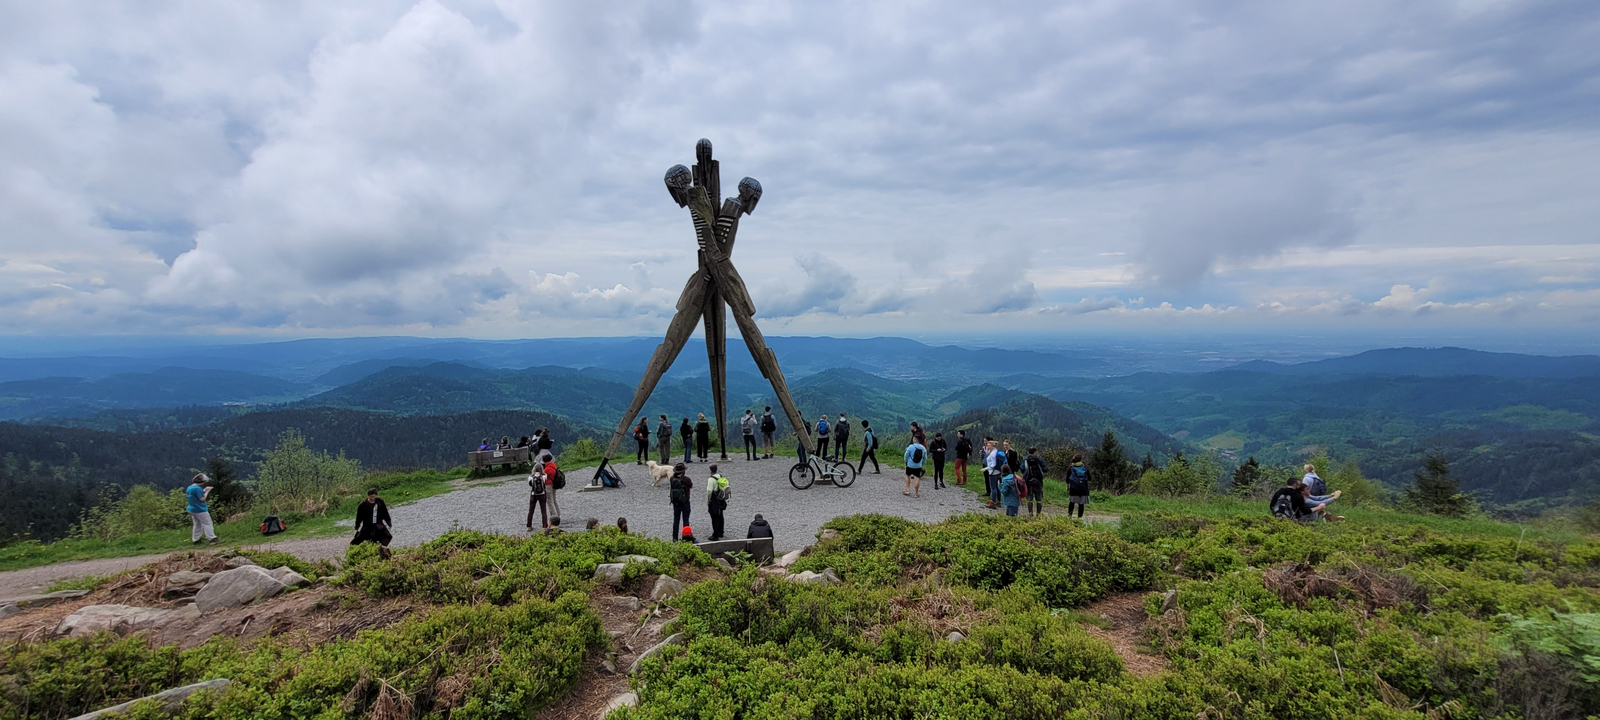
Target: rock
<point>673,639</point>
<point>956,636</point>
<point>627,699</point>
<point>9,609</point>
<point>628,601</point>
<point>1169,601</point>
<point>170,699</point>
<point>666,588</point>
<point>239,561</point>
<point>724,564</point>
<point>774,570</point>
<point>184,583</point>
<point>609,573</point>
<point>826,577</point>
<point>638,559</point>
<point>611,667</point>
<point>616,634</point>
<point>790,558</point>
<point>830,576</point>
<point>288,577</point>
<point>827,534</point>
<point>29,602</point>
<point>236,588</point>
<point>121,619</point>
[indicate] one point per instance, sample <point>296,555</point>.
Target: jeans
<point>991,483</point>
<point>200,527</point>
<point>644,451</point>
<point>544,513</point>
<point>1011,511</point>
<point>868,454</point>
<point>840,448</point>
<point>688,447</point>
<point>680,518</point>
<point>749,447</point>
<point>703,446</point>
<point>822,446</point>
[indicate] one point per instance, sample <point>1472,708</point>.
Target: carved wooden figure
<point>714,287</point>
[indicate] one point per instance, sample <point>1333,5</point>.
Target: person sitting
<point>591,525</point>
<point>505,442</point>
<point>687,535</point>
<point>759,528</point>
<point>1289,502</point>
<point>622,524</point>
<point>555,526</point>
<point>522,442</point>
<point>484,445</point>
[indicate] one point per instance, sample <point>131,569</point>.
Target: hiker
<point>918,435</point>
<point>769,426</point>
<point>869,449</point>
<point>747,426</point>
<point>622,525</point>
<point>641,435</point>
<point>937,450</point>
<point>1033,477</point>
<point>1289,502</point>
<point>372,523</point>
<point>1011,457</point>
<point>841,438</point>
<point>555,526</point>
<point>552,475</point>
<point>963,452</point>
<point>717,495</point>
<point>687,536</point>
<point>545,443</point>
<point>1317,492</point>
<point>759,528</point>
<point>680,486</point>
<point>198,492</point>
<point>537,497</point>
<point>686,431</point>
<point>664,439</point>
<point>702,437</point>
<point>992,460</point>
<point>822,437</point>
<point>915,455</point>
<point>1077,486</point>
<point>1008,491</point>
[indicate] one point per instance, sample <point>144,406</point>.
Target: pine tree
<point>228,493</point>
<point>1245,478</point>
<point>1107,466</point>
<point>1434,492</point>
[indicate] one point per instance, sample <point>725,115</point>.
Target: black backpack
<point>1034,471</point>
<point>272,525</point>
<point>916,455</point>
<point>768,424</point>
<point>874,439</point>
<point>679,494</point>
<point>1282,505</point>
<point>560,480</point>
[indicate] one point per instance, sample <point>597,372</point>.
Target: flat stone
<point>121,619</point>
<point>759,549</point>
<point>609,573</point>
<point>724,564</point>
<point>8,610</point>
<point>790,558</point>
<point>184,583</point>
<point>170,700</point>
<point>236,588</point>
<point>956,637</point>
<point>239,561</point>
<point>637,559</point>
<point>288,577</point>
<point>610,667</point>
<point>29,602</point>
<point>666,588</point>
<point>627,699</point>
<point>628,601</point>
<point>673,639</point>
<point>826,577</point>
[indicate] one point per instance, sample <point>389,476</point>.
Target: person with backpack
<point>1077,486</point>
<point>554,480</point>
<point>686,431</point>
<point>1009,492</point>
<point>916,454</point>
<point>1034,468</point>
<point>869,449</point>
<point>641,435</point>
<point>769,427</point>
<point>1289,502</point>
<point>538,497</point>
<point>196,494</point>
<point>963,452</point>
<point>758,528</point>
<point>702,437</point>
<point>918,435</point>
<point>372,523</point>
<point>717,495</point>
<point>937,450</point>
<point>747,426</point>
<point>1011,457</point>
<point>822,437</point>
<point>678,493</point>
<point>841,439</point>
<point>664,439</point>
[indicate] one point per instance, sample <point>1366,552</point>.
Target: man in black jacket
<point>641,435</point>
<point>759,528</point>
<point>372,523</point>
<point>1289,502</point>
<point>664,439</point>
<point>769,427</point>
<point>963,453</point>
<point>687,432</point>
<point>841,438</point>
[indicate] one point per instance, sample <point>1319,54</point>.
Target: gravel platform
<point>760,486</point>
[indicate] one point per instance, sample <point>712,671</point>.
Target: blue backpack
<point>1078,480</point>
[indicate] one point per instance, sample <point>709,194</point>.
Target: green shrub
<point>293,477</point>
<point>140,510</point>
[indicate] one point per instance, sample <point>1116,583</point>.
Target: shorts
<point>1077,499</point>
<point>914,472</point>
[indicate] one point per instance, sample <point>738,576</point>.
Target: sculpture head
<point>749,194</point>
<point>678,179</point>
<point>702,151</point>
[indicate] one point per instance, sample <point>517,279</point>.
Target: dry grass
<point>1125,615</point>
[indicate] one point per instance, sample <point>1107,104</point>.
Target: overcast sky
<point>493,169</point>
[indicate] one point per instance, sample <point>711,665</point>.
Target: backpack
<point>272,525</point>
<point>1034,471</point>
<point>1282,505</point>
<point>560,480</point>
<point>916,455</point>
<point>609,478</point>
<point>1078,479</point>
<point>768,424</point>
<point>874,439</point>
<point>1022,487</point>
<point>679,494</point>
<point>639,434</point>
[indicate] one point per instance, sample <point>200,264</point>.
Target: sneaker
<point>215,540</point>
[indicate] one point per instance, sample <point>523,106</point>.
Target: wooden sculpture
<point>715,286</point>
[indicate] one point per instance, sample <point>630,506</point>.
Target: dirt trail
<point>1126,616</point>
<point>28,581</point>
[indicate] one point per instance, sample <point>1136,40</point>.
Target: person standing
<point>680,486</point>
<point>1008,491</point>
<point>641,435</point>
<point>664,439</point>
<point>1034,468</point>
<point>747,426</point>
<point>769,427</point>
<point>372,523</point>
<point>918,435</point>
<point>916,454</point>
<point>1077,486</point>
<point>702,437</point>
<point>545,443</point>
<point>717,495</point>
<point>1011,458</point>
<point>992,460</point>
<point>963,451</point>
<point>869,449</point>
<point>841,438</point>
<point>686,431</point>
<point>822,437</point>
<point>937,450</point>
<point>197,493</point>
<point>537,497</point>
<point>552,484</point>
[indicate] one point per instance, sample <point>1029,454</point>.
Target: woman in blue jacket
<point>1008,491</point>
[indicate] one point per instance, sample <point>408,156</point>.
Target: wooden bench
<point>490,458</point>
<point>760,549</point>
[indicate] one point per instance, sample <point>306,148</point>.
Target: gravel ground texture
<point>760,486</point>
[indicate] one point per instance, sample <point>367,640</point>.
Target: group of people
<point>680,493</point>
<point>537,442</point>
<point>1305,499</point>
<point>697,437</point>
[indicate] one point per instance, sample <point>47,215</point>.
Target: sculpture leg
<point>716,318</point>
<point>690,308</point>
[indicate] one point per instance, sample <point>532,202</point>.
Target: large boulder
<point>790,558</point>
<point>184,583</point>
<point>826,577</point>
<point>288,577</point>
<point>170,700</point>
<point>239,561</point>
<point>609,573</point>
<point>666,588</point>
<point>121,619</point>
<point>236,588</point>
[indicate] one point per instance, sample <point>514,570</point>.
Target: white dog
<point>658,472</point>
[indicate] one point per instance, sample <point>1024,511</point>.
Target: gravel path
<point>758,487</point>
